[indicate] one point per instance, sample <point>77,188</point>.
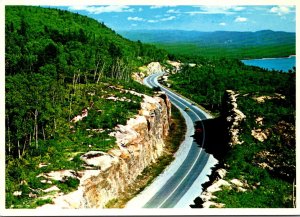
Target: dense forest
<point>208,81</point>
<point>229,44</point>
<point>269,165</point>
<point>56,64</point>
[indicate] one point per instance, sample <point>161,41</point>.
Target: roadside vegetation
<point>267,166</point>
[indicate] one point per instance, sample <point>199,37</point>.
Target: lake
<point>283,64</point>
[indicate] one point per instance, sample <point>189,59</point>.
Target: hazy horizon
<point>202,31</point>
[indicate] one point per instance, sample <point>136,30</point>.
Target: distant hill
<point>265,43</point>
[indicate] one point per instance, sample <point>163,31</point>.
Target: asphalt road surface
<point>178,188</point>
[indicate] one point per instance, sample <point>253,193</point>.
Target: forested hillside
<point>207,82</point>
<point>240,45</point>
<point>59,65</point>
<point>266,158</point>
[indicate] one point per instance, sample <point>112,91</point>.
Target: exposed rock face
<point>154,67</point>
<point>276,162</point>
<point>150,69</point>
<point>262,99</point>
<point>234,117</point>
<point>215,183</point>
<point>260,135</point>
<point>176,66</point>
<point>80,117</point>
<point>140,142</point>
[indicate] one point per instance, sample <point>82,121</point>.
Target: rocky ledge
<point>139,143</point>
<point>232,117</point>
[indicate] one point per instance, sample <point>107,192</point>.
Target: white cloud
<point>228,9</point>
<point>240,19</point>
<point>192,13</point>
<point>281,10</point>
<point>140,9</point>
<point>152,21</point>
<point>222,24</point>
<point>162,19</point>
<point>168,18</point>
<point>135,18</point>
<point>172,11</point>
<point>134,24</point>
<point>238,8</point>
<point>102,9</point>
<point>78,7</point>
<point>161,6</point>
<point>156,6</point>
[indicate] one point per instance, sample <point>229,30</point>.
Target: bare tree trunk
<point>74,77</point>
<point>33,135</point>
<point>70,109</point>
<point>78,78</point>
<point>95,73</point>
<point>19,154</point>
<point>44,133</point>
<point>53,97</point>
<point>112,71</point>
<point>23,151</point>
<point>116,69</point>
<point>294,196</point>
<point>85,77</point>
<point>29,139</point>
<point>8,135</point>
<point>54,124</point>
<point>124,73</point>
<point>36,129</point>
<point>100,73</point>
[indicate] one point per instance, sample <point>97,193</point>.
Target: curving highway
<point>181,183</point>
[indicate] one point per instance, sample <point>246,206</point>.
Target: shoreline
<point>270,58</point>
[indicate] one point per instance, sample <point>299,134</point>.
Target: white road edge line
<point>156,82</point>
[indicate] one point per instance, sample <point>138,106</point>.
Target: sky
<point>200,18</point>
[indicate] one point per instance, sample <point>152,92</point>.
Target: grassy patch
<point>176,136</point>
<point>68,185</point>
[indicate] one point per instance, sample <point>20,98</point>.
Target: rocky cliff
<point>139,143</point>
<point>231,118</point>
<point>171,67</point>
<point>145,71</point>
<point>261,156</point>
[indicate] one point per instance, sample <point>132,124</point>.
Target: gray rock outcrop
<point>139,143</point>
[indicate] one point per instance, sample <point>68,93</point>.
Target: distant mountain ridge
<point>263,37</point>
<point>232,44</point>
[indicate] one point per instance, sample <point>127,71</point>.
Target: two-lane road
<point>179,186</point>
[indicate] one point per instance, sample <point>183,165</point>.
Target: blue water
<point>283,64</point>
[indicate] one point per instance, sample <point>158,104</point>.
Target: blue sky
<point>201,18</point>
